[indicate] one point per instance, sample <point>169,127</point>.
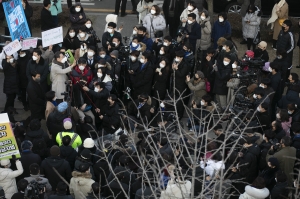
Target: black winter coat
<point>276,85</point>
<point>55,122</point>
<point>269,176</point>
<point>111,118</point>
<point>295,116</point>
<point>69,154</point>
<point>36,99</point>
<point>61,166</point>
<point>144,110</point>
<point>290,97</point>
<point>249,162</point>
<point>28,158</point>
<point>11,79</point>
<point>34,136</point>
<point>178,8</point>
<point>60,196</point>
<point>280,190</point>
<point>107,38</point>
<point>143,80</point>
<point>75,18</point>
<point>114,190</point>
<point>101,170</point>
<point>46,22</point>
<point>180,76</point>
<point>221,78</point>
<point>70,43</point>
<point>190,60</point>
<point>296,144</point>
<point>88,40</point>
<point>264,148</point>
<point>263,54</point>
<point>22,69</point>
<point>286,41</point>
<point>99,98</point>
<point>195,33</point>
<point>160,83</point>
<point>42,68</point>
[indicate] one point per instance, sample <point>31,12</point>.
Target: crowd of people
<point>115,113</point>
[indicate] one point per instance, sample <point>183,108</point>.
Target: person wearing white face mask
<point>90,30</point>
<point>81,71</point>
<point>58,74</point>
<point>160,79</point>
<point>193,30</point>
<point>167,42</point>
<point>191,8</point>
<point>197,86</point>
<point>82,36</point>
<point>205,42</point>
<point>108,36</point>
<point>220,28</point>
<point>69,40</point>
<point>154,21</point>
<point>91,57</point>
<point>77,16</point>
<point>222,73</point>
<point>143,8</point>
<point>133,66</point>
<point>81,51</point>
<point>232,84</point>
<point>276,84</point>
<point>136,45</point>
<point>23,60</point>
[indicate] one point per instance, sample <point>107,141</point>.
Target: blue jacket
<point>220,30</point>
<point>148,42</point>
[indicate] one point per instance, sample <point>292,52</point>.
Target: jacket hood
<point>77,174</point>
<point>66,151</point>
<point>72,10</point>
<point>55,162</point>
<point>257,193</point>
<point>86,37</point>
<point>35,134</point>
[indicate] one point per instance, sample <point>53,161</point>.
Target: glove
<point>202,25</point>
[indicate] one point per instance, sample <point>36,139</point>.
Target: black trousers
<point>10,101</point>
<point>123,6</point>
<point>173,26</point>
<point>250,43</point>
<point>134,5</point>
<point>24,97</point>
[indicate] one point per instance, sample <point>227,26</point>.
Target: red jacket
<point>77,74</point>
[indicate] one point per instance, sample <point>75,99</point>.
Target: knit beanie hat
<point>54,150</point>
<point>26,144</point>
<point>200,74</point>
<point>67,123</point>
<point>115,53</point>
<point>263,44</point>
<point>88,143</point>
<point>85,154</point>
<point>62,107</point>
<point>5,162</point>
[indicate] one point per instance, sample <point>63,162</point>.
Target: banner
<point>12,47</point>
<point>16,20</point>
<point>8,144</point>
<point>70,56</point>
<point>53,36</point>
<point>29,43</point>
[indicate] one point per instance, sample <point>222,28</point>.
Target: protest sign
<point>8,144</point>
<point>52,36</point>
<point>16,20</point>
<point>70,56</point>
<point>29,43</point>
<point>12,47</point>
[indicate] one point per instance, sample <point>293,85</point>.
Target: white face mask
<point>96,89</point>
<point>161,52</point>
<point>258,109</point>
<point>134,32</point>
<point>142,61</point>
<point>82,34</point>
<point>134,44</point>
<point>34,58</point>
<point>23,55</point>
<point>225,63</point>
<point>77,9</point>
<point>153,12</point>
<point>202,103</point>
<point>161,65</point>
<point>177,59</point>
<point>133,58</point>
<point>72,34</point>
<point>224,48</point>
<point>189,21</point>
<point>261,86</point>
<point>295,184</point>
<point>277,115</point>
<point>190,8</point>
<point>11,60</point>
<point>203,17</point>
<point>254,96</point>
<point>54,98</point>
<point>270,69</point>
<point>88,25</point>
<point>81,67</point>
<point>290,112</point>
<point>64,60</point>
<point>234,65</point>
<point>221,19</point>
<point>162,105</point>
<point>100,66</point>
<point>109,30</point>
<point>165,44</point>
<point>82,47</point>
<point>99,75</point>
<point>102,56</point>
<point>90,53</point>
<point>116,44</point>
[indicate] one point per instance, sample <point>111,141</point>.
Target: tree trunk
<point>210,7</point>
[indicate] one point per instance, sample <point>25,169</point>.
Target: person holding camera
<point>58,74</point>
<point>108,36</point>
<point>284,153</point>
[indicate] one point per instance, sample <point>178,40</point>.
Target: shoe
<point>243,42</point>
<point>123,15</point>
<point>298,66</point>
<point>274,48</point>
<point>134,12</point>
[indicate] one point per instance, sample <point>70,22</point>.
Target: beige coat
<point>198,89</point>
<point>80,184</point>
<point>58,78</point>
<point>144,11</point>
<point>233,84</point>
<point>283,13</point>
<point>205,42</point>
<point>79,53</point>
<point>177,190</point>
<point>49,109</point>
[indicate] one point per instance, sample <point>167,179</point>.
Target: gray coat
<point>205,41</point>
<point>40,180</point>
<point>233,84</point>
<point>159,23</point>
<point>197,89</point>
<point>250,29</point>
<point>246,3</point>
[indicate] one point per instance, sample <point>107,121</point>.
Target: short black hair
<point>113,97</point>
<point>207,98</point>
<point>22,184</point>
<point>295,77</point>
<point>46,3</point>
<point>50,95</point>
<point>288,23</point>
<point>66,140</point>
<point>168,37</point>
<point>81,60</point>
<point>35,124</point>
<point>37,51</point>
<point>179,53</point>
<point>259,91</point>
<point>61,187</point>
<point>193,15</point>
<point>82,28</point>
<point>34,169</point>
<point>147,55</point>
<point>34,74</point>
<point>223,14</point>
<point>269,134</point>
<point>286,140</point>
<point>135,53</point>
<point>265,105</point>
<point>211,51</point>
<point>101,84</point>
<point>57,55</point>
<point>88,119</point>
<point>142,28</point>
<point>275,66</point>
<point>266,81</point>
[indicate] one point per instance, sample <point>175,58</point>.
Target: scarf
<point>58,63</point>
<point>82,52</point>
<point>135,48</point>
<point>274,15</point>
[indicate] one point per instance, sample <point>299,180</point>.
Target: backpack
<point>33,190</point>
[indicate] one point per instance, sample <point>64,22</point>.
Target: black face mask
<point>259,50</point>
<point>140,35</point>
<point>141,100</point>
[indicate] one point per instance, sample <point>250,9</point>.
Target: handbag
<point>207,86</point>
<point>257,38</point>
<point>158,33</point>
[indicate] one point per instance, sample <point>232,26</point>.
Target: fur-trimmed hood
<point>77,174</point>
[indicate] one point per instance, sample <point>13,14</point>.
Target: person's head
<point>34,169</point>
<point>179,56</point>
<point>61,187</point>
<point>222,17</point>
<point>204,14</point>
<point>296,128</point>
<point>36,76</point>
<point>22,53</point>
<point>273,162</point>
<point>134,55</point>
<point>293,77</point>
<point>262,45</point>
<point>62,107</point>
<point>71,32</point>
<point>265,83</point>
<point>251,8</point>
<point>135,30</point>
<point>55,151</point>
<point>287,25</point>
<point>141,31</point>
<point>187,47</point>
<point>91,51</point>
<point>274,67</point>
<point>99,86</point>
<point>155,10</point>
<point>35,125</point>
<point>145,57</point>
<point>36,55</point>
<point>60,57</point>
<point>143,97</point>
<point>191,18</point>
<point>111,27</point>
<point>26,145</point>
<point>226,59</point>
<point>47,4</point>
<point>206,100</point>
<point>221,41</point>
<point>218,129</point>
<point>67,123</point>
<point>280,176</point>
<point>22,185</point>
<point>135,42</point>
<point>82,32</point>
<point>268,135</point>
<point>210,52</point>
<point>258,183</point>
<point>84,167</point>
<point>285,141</point>
<point>163,63</point>
<point>167,40</point>
<point>283,115</point>
<point>88,23</point>
<point>81,63</point>
<point>191,6</point>
<point>258,93</point>
<point>112,99</point>
<point>102,52</point>
<point>66,140</point>
<point>116,41</point>
<point>291,108</point>
<point>83,46</point>
<point>164,50</point>
<point>78,7</point>
<point>227,45</point>
<point>199,75</point>
<point>276,125</point>
<point>263,107</point>
<point>114,55</point>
